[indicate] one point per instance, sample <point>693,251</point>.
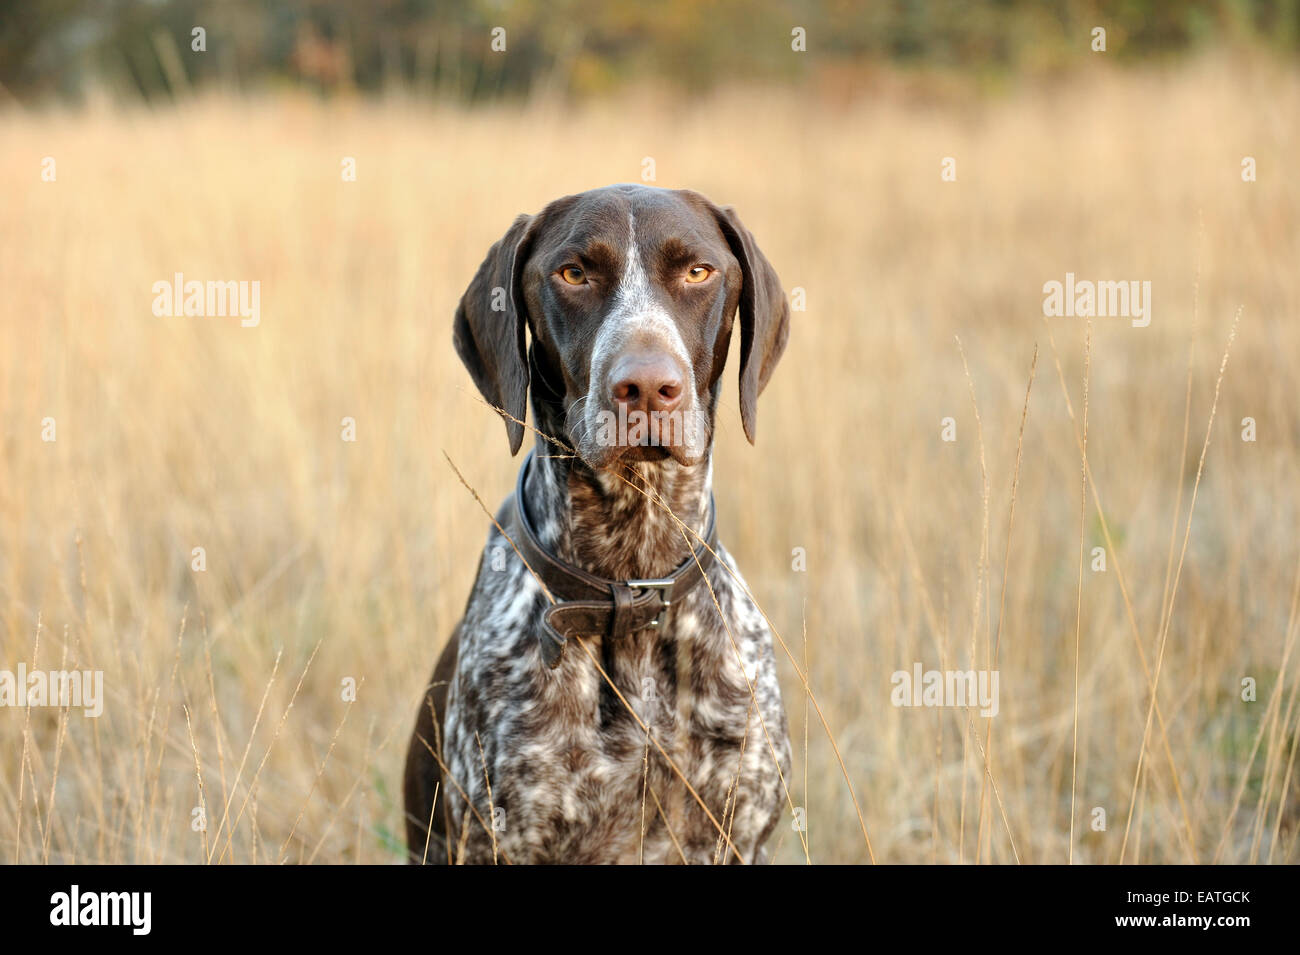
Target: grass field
<point>329,560</point>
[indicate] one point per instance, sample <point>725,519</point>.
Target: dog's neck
<point>617,524</point>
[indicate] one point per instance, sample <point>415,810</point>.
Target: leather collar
<point>587,605</point>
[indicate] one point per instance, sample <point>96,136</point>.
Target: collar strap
<point>596,606</point>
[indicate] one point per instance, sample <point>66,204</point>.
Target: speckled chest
<point>644,751</point>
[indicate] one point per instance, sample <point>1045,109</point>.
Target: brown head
<point>629,294</point>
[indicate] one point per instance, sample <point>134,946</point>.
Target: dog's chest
<point>640,751</point>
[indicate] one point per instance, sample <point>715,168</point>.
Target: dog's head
<point>629,294</point>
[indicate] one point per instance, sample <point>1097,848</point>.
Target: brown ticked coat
<point>549,765</point>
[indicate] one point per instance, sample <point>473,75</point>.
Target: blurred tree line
<point>576,47</point>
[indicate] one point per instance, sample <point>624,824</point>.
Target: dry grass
<point>328,560</point>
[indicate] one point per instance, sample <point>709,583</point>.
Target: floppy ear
<point>764,317</point>
<point>489,330</point>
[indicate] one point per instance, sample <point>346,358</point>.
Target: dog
<point>610,695</point>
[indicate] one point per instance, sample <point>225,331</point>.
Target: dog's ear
<point>764,316</point>
<point>489,330</point>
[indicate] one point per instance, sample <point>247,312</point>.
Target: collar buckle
<point>665,586</point>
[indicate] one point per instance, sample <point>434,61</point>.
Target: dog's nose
<point>647,382</point>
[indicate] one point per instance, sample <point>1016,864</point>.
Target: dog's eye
<point>698,274</point>
<point>573,275</point>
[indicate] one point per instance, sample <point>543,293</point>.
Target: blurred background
<point>137,48</point>
<point>128,154</point>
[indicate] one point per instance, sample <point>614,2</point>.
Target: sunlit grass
<point>356,557</point>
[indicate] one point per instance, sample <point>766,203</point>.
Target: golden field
<point>329,560</point>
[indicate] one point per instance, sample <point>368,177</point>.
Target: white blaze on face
<point>638,318</point>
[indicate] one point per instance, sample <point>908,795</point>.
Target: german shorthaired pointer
<point>610,694</point>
